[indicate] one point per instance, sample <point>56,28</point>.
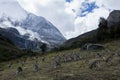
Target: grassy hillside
<point>89,37</point>
<point>71,70</point>
<point>8,50</point>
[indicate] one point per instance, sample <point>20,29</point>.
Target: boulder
<point>113,22</point>
<point>114,18</point>
<point>90,46</point>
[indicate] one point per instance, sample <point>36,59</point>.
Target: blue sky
<point>68,0</point>
<point>89,8</point>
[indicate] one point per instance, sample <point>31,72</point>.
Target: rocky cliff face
<point>114,18</point>
<point>113,24</point>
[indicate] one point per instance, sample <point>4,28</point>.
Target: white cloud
<point>63,14</point>
<point>12,9</point>
<point>112,4</point>
<point>88,22</point>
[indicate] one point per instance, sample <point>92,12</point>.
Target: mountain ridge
<point>108,30</point>
<point>29,25</point>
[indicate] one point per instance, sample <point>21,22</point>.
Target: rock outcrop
<point>113,23</point>
<point>114,18</point>
<point>91,46</point>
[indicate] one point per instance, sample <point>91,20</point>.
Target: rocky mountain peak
<point>114,18</point>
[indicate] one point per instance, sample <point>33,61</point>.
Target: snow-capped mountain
<point>18,40</point>
<point>46,30</point>
<point>29,26</point>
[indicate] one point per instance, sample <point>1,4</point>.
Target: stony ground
<point>70,70</point>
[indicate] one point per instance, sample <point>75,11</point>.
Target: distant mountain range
<point>25,29</point>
